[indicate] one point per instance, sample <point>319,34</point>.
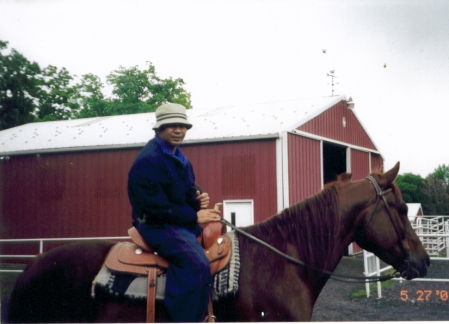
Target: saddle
<point>138,258</point>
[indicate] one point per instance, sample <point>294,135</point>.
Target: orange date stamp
<point>423,295</point>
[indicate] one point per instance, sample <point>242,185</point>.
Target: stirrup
<point>210,317</point>
<point>211,320</point>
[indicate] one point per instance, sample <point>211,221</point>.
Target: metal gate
<point>434,234</point>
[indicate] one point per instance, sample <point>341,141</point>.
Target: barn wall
<point>237,170</point>
<point>66,195</point>
<point>359,164</point>
<point>84,194</point>
<point>330,124</point>
<point>377,162</point>
<point>304,167</point>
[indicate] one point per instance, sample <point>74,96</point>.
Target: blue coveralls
<point>164,210</point>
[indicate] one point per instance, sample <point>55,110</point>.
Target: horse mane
<point>311,225</point>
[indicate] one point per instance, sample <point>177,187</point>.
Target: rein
<point>339,277</point>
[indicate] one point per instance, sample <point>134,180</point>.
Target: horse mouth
<point>410,269</point>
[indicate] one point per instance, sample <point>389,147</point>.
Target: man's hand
<point>203,199</point>
<point>208,215</point>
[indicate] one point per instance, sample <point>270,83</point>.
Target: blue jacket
<point>161,187</point>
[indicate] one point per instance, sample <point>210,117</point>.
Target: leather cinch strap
<point>151,295</point>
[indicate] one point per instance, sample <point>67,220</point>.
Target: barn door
<point>239,212</point>
<point>334,161</point>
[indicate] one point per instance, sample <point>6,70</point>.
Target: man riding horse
<point>167,209</point>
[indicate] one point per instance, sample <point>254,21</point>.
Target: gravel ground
<point>336,304</point>
<point>427,301</point>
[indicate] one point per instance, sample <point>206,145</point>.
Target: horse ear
<point>388,177</point>
<point>345,177</point>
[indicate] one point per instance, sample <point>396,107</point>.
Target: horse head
<point>384,228</point>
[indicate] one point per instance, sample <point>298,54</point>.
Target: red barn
<point>68,178</point>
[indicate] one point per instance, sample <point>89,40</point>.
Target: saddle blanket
<point>132,286</point>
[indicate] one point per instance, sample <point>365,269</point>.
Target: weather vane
<point>332,75</point>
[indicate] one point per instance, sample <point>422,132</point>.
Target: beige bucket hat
<point>171,113</point>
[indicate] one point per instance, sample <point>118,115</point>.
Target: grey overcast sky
<point>391,57</point>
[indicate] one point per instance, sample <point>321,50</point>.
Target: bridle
<point>340,277</point>
<point>381,194</point>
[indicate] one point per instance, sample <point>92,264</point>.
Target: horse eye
<point>403,210</point>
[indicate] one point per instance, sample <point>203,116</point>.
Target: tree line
<point>31,93</point>
<point>432,192</point>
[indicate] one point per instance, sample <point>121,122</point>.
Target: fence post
<point>379,287</point>
<point>366,273</point>
<point>446,230</point>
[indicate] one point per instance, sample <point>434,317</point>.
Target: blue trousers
<point>188,277</point>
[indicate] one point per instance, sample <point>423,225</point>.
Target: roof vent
<point>350,103</point>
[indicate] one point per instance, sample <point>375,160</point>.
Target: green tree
<point>90,98</point>
<point>18,88</point>
<point>29,93</point>
<point>139,91</point>
<point>438,198</point>
<point>55,95</point>
<point>411,186</point>
<point>442,173</point>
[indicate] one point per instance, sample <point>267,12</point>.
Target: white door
<point>239,212</point>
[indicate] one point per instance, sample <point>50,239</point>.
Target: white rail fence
<point>40,246</point>
<point>434,234</point>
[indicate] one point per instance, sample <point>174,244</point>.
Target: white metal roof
<point>210,124</point>
<point>413,209</point>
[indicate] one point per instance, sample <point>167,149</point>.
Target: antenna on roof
<point>332,75</point>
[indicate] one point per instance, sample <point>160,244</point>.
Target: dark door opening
<point>334,161</point>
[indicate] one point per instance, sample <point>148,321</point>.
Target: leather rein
<point>340,277</point>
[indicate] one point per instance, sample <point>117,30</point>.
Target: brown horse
<point>371,212</point>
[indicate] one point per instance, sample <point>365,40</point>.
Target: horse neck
<point>354,197</point>
<point>309,230</point>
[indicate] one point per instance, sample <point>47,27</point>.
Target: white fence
<point>434,234</point>
<point>40,245</point>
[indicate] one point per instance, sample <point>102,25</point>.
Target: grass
<point>373,287</point>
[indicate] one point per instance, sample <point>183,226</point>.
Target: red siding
<point>66,195</point>
<point>84,194</point>
<point>304,167</point>
<point>377,163</point>
<point>329,124</point>
<point>359,164</point>
<point>237,170</point>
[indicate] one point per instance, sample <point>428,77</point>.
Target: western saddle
<point>138,258</point>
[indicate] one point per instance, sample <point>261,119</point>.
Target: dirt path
<point>336,304</point>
